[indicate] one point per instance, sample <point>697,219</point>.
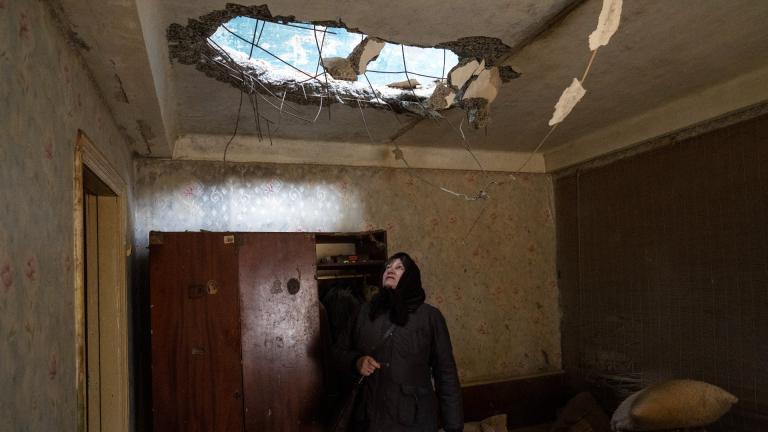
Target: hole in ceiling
<point>291,52</point>
<point>283,61</point>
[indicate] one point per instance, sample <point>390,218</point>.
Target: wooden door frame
<point>87,154</point>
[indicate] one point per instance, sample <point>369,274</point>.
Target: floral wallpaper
<point>45,97</point>
<point>496,286</point>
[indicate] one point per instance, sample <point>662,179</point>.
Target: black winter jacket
<point>400,395</point>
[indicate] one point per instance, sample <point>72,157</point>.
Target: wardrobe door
<point>196,370</point>
<point>282,356</point>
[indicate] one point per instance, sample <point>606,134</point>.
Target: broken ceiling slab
<point>367,51</point>
<point>489,48</point>
<point>442,98</point>
<point>339,68</point>
<point>215,45</point>
<point>408,84</point>
<point>462,72</point>
<point>507,73</point>
<point>478,111</point>
<point>485,86</point>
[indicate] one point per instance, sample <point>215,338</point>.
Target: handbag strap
<point>389,332</point>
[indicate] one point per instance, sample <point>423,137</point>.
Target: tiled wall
<point>496,287</point>
<point>45,97</point>
<point>663,259</point>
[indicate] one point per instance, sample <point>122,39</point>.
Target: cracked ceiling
<point>671,65</point>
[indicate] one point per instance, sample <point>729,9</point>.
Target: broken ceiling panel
<point>442,98</point>
<point>485,85</point>
<point>367,51</point>
<point>339,68</point>
<point>462,72</point>
<point>570,97</point>
<point>314,63</point>
<point>607,24</point>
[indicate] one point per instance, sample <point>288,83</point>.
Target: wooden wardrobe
<point>236,332</point>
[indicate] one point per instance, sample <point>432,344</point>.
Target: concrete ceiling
<point>671,65</point>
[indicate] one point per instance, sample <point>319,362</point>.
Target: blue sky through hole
<point>298,47</point>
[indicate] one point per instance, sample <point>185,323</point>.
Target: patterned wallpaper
<point>497,287</point>
<point>45,96</point>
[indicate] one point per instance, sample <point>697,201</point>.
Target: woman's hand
<point>367,365</point>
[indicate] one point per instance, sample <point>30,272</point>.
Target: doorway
<point>100,292</point>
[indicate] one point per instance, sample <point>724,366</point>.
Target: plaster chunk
<point>461,73</point>
<point>365,52</point>
<point>607,24</point>
<point>478,111</point>
<point>508,74</point>
<point>570,97</point>
<point>442,98</point>
<point>405,85</point>
<point>339,68</point>
<point>485,86</point>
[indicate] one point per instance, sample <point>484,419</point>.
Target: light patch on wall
<point>265,205</point>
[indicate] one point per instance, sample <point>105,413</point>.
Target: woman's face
<point>392,274</point>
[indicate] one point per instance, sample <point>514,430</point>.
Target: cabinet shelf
<point>345,266</point>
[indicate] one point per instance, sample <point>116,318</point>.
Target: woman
<point>400,344</point>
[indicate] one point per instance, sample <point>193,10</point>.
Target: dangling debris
<point>570,97</point>
<point>462,72</point>
<point>405,85</point>
<point>339,68</point>
<point>607,24</point>
<point>508,74</point>
<point>367,51</point>
<point>485,86</point>
<point>478,111</point>
<point>442,98</point>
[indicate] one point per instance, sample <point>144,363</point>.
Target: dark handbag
<point>343,420</point>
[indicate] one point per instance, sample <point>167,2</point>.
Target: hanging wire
<point>539,146</point>
<point>442,76</point>
<point>254,41</point>
<point>246,79</point>
<point>553,127</point>
<point>404,72</point>
<point>405,69</point>
<point>276,57</point>
<point>237,123</point>
<point>248,82</point>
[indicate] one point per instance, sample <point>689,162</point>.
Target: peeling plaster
<point>485,86</point>
<point>462,72</point>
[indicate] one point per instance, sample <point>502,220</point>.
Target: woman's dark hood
<point>405,298</point>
